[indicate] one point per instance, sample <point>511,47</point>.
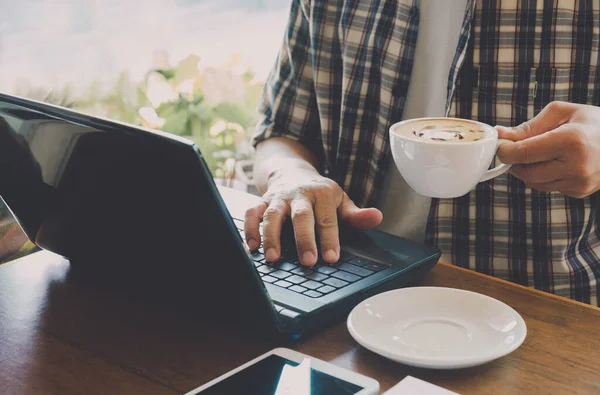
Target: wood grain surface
<point>60,336</point>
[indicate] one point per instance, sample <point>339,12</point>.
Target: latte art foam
<point>449,132</point>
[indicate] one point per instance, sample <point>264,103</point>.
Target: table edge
<point>38,254</point>
<point>523,287</point>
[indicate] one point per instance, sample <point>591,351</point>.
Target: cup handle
<point>501,168</point>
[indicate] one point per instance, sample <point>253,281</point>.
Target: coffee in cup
<point>445,157</point>
<point>445,131</point>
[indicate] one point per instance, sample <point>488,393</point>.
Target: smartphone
<point>287,372</point>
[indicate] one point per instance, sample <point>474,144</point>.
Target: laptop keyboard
<point>316,281</point>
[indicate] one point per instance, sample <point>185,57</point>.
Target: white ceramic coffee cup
<point>445,169</point>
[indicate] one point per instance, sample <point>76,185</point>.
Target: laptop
<point>139,210</point>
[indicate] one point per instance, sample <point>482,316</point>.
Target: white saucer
<point>434,327</point>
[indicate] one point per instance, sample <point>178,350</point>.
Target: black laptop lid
<point>126,204</point>
<point>92,193</point>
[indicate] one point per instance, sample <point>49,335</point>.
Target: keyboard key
<point>287,266</point>
<point>280,274</point>
<point>334,282</point>
<point>326,289</point>
<point>297,288</point>
<point>269,279</point>
<point>312,284</point>
<point>326,270</point>
<point>302,271</point>
<point>313,294</point>
<point>345,276</point>
<point>376,266</point>
<point>359,271</point>
<point>359,261</point>
<point>345,256</point>
<point>296,279</point>
<point>316,276</point>
<point>283,284</point>
<point>266,269</point>
<point>257,264</point>
<point>258,257</point>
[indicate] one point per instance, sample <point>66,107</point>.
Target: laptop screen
<point>34,153</point>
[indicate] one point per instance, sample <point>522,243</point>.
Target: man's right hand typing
<point>293,188</point>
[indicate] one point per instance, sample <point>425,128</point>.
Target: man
<point>347,70</point>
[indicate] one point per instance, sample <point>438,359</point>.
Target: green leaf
<point>169,74</point>
<point>187,68</point>
<point>167,109</point>
<point>248,75</point>
<point>253,93</point>
<point>233,112</point>
<point>198,97</point>
<point>177,123</point>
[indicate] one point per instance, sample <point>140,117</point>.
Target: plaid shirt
<point>341,80</point>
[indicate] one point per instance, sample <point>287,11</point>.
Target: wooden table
<point>59,336</point>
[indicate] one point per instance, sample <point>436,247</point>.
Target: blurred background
<point>194,68</point>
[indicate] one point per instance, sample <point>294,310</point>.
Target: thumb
<point>361,218</point>
<point>551,117</point>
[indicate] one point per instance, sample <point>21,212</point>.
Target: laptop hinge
<point>291,320</point>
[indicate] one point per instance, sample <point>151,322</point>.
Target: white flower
<point>235,126</point>
<point>151,118</point>
<point>220,126</point>
<point>159,91</point>
<point>217,128</point>
<point>186,88</point>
